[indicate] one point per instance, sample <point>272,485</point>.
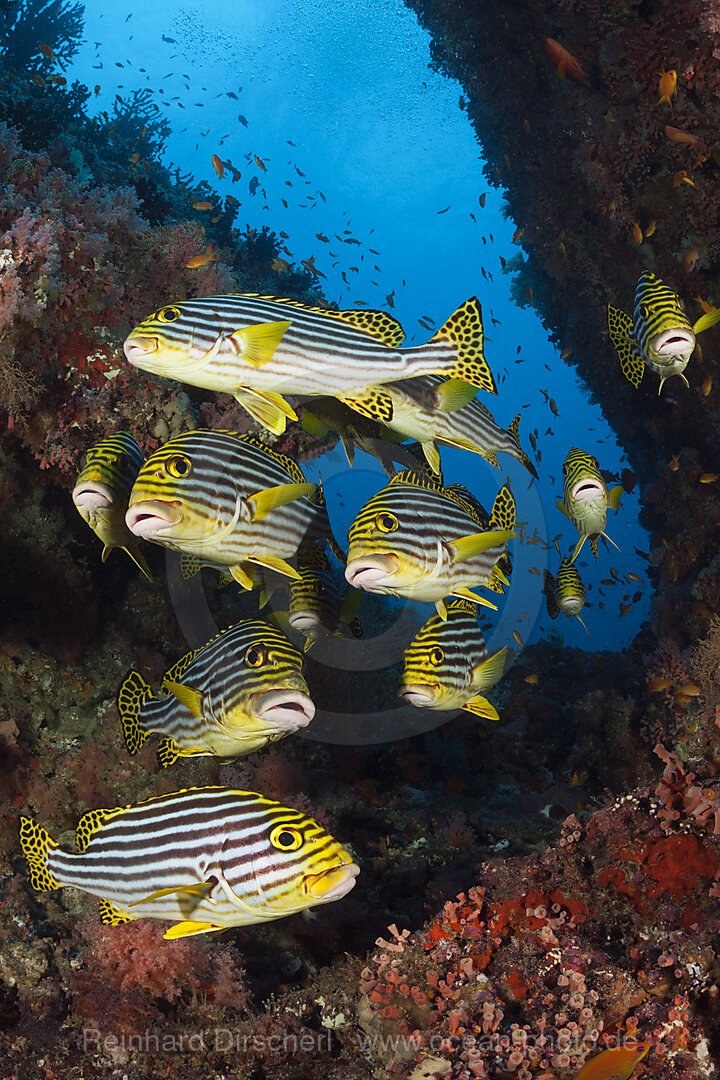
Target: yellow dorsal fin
<point>176,672</point>
<point>274,497</point>
<point>467,547</point>
<point>256,344</point>
<point>92,823</point>
<point>272,562</point>
<point>480,706</point>
<point>187,696</point>
<point>489,671</point>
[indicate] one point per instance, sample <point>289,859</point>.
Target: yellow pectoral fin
<point>270,410</point>
<point>272,562</point>
<point>312,425</point>
<point>200,890</point>
<point>614,496</point>
<point>490,670</point>
<point>256,345</point>
<point>480,706</point>
<point>466,594</point>
<point>187,929</point>
<point>453,394</point>
<point>243,577</point>
<point>270,499</point>
<point>561,506</point>
<point>706,321</point>
<point>467,547</point>
<point>432,456</point>
<point>441,608</point>
<point>191,699</point>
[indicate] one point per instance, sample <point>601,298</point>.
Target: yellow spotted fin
<point>432,456</point>
<point>91,823</point>
<point>549,588</point>
<point>463,334</point>
<point>504,511</point>
<point>275,497</point>
<point>113,916</point>
<point>36,842</point>
<point>256,344</point>
<point>620,328</point>
<point>168,752</point>
<point>374,402</point>
<point>132,695</point>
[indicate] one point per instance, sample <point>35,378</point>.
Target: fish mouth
<point>370,571</point>
<point>332,884</point>
<point>304,620</point>
<point>286,709</point>
<point>151,517</point>
<point>421,695</point>
<point>677,341</point>
<point>93,496</point>
<point>587,489</point>
<point>139,346</point>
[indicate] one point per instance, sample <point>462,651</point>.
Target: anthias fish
<point>230,500</point>
<point>586,499</point>
<point>447,664</point>
<point>205,858</point>
<point>617,1063</point>
<point>243,689</point>
<point>566,593</point>
<point>659,335</point>
<point>259,348</point>
<point>423,541</point>
<point>102,490</point>
<point>434,410</point>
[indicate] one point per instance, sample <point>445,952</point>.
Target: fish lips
<point>137,348</point>
<point>370,571</point>
<point>332,884</point>
<point>421,695</point>
<point>304,620</point>
<point>93,496</point>
<point>677,342</point>
<point>150,517</point>
<point>587,489</point>
<point>287,709</point>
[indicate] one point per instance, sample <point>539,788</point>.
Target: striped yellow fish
<point>423,541</point>
<point>447,664</point>
<point>102,490</point>
<point>586,499</point>
<point>659,336</point>
<point>318,609</point>
<point>204,858</point>
<point>259,348</point>
<point>243,689</point>
<point>230,500</point>
<point>436,410</point>
<point>565,593</point>
<point>324,414</point>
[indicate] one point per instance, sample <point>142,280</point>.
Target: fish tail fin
<point>459,347</point>
<point>594,546</point>
<point>132,695</point>
<point>36,842</point>
<point>504,511</point>
<point>514,433</point>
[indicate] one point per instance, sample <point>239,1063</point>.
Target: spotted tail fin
<point>132,695</point>
<point>36,842</point>
<point>461,337</point>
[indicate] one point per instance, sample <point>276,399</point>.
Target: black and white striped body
<point>229,847</point>
<point>585,493</point>
<point>441,660</point>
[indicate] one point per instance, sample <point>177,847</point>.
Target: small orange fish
<point>390,299</point>
<point>260,164</point>
<point>37,79</point>
<point>660,682</point>
<point>214,220</point>
<point>650,229</point>
<point>707,385</point>
<point>707,308</point>
<point>518,639</point>
<point>218,166</point>
<point>97,90</point>
<point>281,265</point>
<point>553,407</point>
<point>637,233</point>
<point>681,177</point>
<point>46,52</point>
<point>205,257</point>
<point>526,126</point>
<point>624,609</point>
<point>688,689</point>
<point>517,235</point>
<point>709,478</point>
<point>481,198</point>
<point>667,87</point>
<point>679,136</point>
<point>674,464</point>
<point>615,1064</point>
<point>634,577</point>
<point>58,80</point>
<point>134,159</point>
<point>564,61</point>
<point>204,205</point>
<point>532,679</point>
<point>690,258</point>
<point>565,353</point>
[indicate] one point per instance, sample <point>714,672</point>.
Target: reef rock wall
<point>605,182</point>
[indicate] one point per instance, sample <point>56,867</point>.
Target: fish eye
<point>286,838</point>
<point>255,656</point>
<point>436,656</point>
<point>179,466</point>
<point>168,314</point>
<point>645,311</point>
<point>386,522</point>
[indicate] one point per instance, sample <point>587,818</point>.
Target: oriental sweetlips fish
<point>259,348</point>
<point>229,500</point>
<point>243,689</point>
<point>586,499</point>
<point>659,335</point>
<point>447,664</point>
<point>206,858</point>
<point>565,593</point>
<point>317,607</point>
<point>423,541</point>
<point>324,414</point>
<point>102,490</point>
<point>437,410</point>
